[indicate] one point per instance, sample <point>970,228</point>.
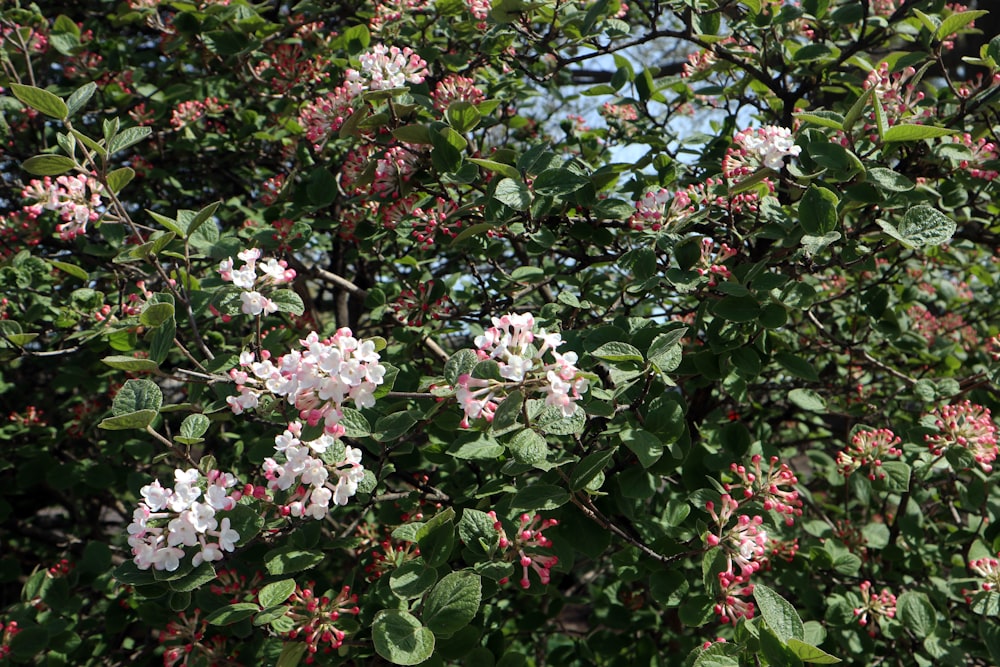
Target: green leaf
<point>778,613</point>
<point>40,100</point>
<point>823,119</point>
<point>201,217</point>
<point>857,109</point>
<point>818,211</point>
<point>48,165</point>
<point>484,447</point>
<point>737,308</point>
<point>412,579</point>
<point>169,223</point>
<point>540,497</point>
<point>797,366</point>
<point>128,137</point>
<point>916,613</point>
<point>194,426</point>
<point>137,395</point>
<point>355,424</point>
<point>881,122</point>
<point>589,468</point>
<point>276,593</point>
<point>990,633</point>
<point>155,314</point>
<point>557,182</point>
<point>617,351</point>
<point>321,187</point>
<point>952,24</point>
<point>187,578</point>
<point>393,427</point>
<point>463,116</point>
<point>508,412</point>
<point>889,180</point>
<point>453,603</point>
<point>131,364</point>
<point>808,653</point>
<point>400,638</point>
<point>288,302</point>
<point>513,193</point>
<point>553,422</point>
<point>506,170</point>
<point>162,341</point>
<point>272,616</point>
<point>291,654</point>
<point>129,574</point>
<point>897,476</point>
<point>436,537</point>
<point>646,446</point>
<point>814,245</point>
<point>807,399</point>
<point>245,521</point>
<point>119,178</point>
<point>413,134</point>
<point>926,226</point>
<point>80,97</point>
<point>459,364</point>
<point>231,614</point>
<point>71,269</point>
<point>907,132</point>
<point>28,642</point>
<point>288,559</point>
<point>476,529</point>
<point>528,447</point>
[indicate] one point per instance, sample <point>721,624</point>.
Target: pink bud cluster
<point>317,380</point>
<point>7,632</point>
<point>511,343</point>
<point>315,618</point>
<point>325,115</point>
<point>698,62</point>
<point>965,425</point>
<point>294,466</point>
<point>272,272</point>
<point>527,540</point>
<point>744,543</point>
<point>874,608</point>
<point>712,262</point>
<point>168,519</point>
<point>989,570</point>
<point>76,199</point>
<point>775,489</point>
<point>415,307</point>
<point>185,643</point>
<point>657,210</point>
<point>982,151</point>
<point>192,111</point>
<point>761,147</point>
<point>383,68</point>
<point>480,9</point>
<point>899,98</point>
<point>868,449</point>
<point>455,88</point>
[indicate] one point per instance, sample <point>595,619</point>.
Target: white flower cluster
<point>385,67</point>
<point>300,467</point>
<point>510,342</point>
<point>169,519</point>
<point>246,278</point>
<point>317,380</point>
<point>769,145</point>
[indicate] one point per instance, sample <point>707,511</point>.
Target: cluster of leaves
<point>767,317</point>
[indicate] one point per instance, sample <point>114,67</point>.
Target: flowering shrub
<point>460,332</point>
